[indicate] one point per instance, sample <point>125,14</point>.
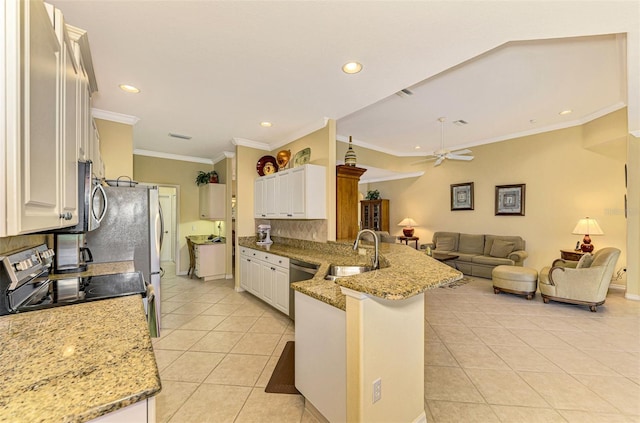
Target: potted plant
<point>207,177</point>
<point>373,195</point>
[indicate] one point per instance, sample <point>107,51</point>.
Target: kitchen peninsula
<point>362,330</point>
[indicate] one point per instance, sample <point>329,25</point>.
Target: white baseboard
<point>422,418</point>
<point>618,286</point>
<point>633,297</point>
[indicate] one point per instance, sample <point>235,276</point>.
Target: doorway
<point>168,202</point>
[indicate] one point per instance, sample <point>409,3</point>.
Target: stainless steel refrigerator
<point>131,230</point>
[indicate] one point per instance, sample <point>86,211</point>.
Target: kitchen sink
<point>338,271</point>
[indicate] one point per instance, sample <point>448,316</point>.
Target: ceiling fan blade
<point>465,151</point>
<point>426,159</point>
<point>457,157</point>
<point>439,161</point>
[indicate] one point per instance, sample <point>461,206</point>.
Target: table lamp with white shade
<point>408,224</point>
<point>587,226</point>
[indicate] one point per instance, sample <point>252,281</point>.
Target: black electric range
<point>25,283</point>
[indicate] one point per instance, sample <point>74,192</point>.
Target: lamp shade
<point>587,226</point>
<point>407,221</point>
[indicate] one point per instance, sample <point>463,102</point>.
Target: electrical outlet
<point>362,251</point>
<point>377,390</point>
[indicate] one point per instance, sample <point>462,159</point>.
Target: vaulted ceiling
<point>214,70</point>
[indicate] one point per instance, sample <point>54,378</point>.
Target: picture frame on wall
<point>510,200</point>
<point>462,196</point>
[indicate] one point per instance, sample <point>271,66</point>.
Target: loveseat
<point>479,254</point>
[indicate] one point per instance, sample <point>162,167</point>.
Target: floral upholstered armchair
<point>585,282</point>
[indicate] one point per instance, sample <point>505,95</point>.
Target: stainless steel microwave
<point>92,201</point>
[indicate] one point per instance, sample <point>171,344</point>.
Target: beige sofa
<point>383,236</point>
<point>479,254</point>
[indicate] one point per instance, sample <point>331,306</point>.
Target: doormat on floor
<point>457,284</point>
<point>283,378</point>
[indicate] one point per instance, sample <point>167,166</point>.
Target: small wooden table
<point>443,256</point>
<point>406,240</point>
<point>571,255</point>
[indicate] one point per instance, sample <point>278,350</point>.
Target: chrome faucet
<point>376,257</point>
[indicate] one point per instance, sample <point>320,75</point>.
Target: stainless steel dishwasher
<point>299,271</point>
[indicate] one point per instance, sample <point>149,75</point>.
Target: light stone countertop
<point>204,240</point>
<point>75,363</point>
<point>98,269</point>
<point>404,271</point>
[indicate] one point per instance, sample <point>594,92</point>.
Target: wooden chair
<point>192,258</point>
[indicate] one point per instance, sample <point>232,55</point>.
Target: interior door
<point>166,252</point>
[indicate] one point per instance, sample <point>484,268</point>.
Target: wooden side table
<point>406,240</point>
<point>571,255</point>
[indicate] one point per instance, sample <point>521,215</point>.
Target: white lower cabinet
<point>210,261</point>
<point>266,276</point>
<point>321,356</point>
<point>141,412</point>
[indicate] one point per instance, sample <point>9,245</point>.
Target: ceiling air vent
<point>182,137</point>
<point>460,122</point>
<point>405,93</point>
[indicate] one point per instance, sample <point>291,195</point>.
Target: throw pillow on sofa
<point>585,261</point>
<point>501,248</point>
<point>445,243</point>
<point>471,244</point>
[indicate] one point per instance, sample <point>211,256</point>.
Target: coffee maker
<point>72,254</point>
<point>263,236</point>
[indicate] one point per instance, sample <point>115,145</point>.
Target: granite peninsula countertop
<point>75,363</point>
<point>404,271</point>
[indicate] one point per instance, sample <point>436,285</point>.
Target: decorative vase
<point>408,232</point>
<point>350,156</point>
<point>213,177</point>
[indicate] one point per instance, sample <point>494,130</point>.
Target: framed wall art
<point>510,200</point>
<point>462,196</point>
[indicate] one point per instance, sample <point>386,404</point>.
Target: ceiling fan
<point>442,154</point>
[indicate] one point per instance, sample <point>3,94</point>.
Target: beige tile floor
<point>488,358</point>
<point>501,358</point>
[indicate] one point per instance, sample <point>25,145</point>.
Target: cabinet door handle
<point>66,216</point>
<point>273,268</point>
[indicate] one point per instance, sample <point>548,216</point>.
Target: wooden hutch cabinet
<point>375,214</point>
<point>347,178</point>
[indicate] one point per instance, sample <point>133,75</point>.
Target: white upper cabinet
<point>39,148</point>
<point>298,193</point>
<point>69,119</point>
<point>213,201</point>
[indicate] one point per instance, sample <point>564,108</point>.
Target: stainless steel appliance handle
<point>311,271</point>
<point>104,196</point>
<point>161,224</point>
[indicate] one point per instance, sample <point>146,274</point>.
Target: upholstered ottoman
<point>515,280</point>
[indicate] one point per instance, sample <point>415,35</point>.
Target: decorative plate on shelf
<point>302,157</point>
<point>266,165</point>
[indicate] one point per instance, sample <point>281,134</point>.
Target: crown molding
<point>364,180</point>
<point>223,155</point>
<point>170,156</point>
<point>250,143</point>
<point>114,117</point>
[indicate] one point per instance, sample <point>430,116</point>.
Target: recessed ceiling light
<point>566,112</point>
<point>129,88</point>
<point>417,147</point>
<point>351,67</point>
<point>266,124</point>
